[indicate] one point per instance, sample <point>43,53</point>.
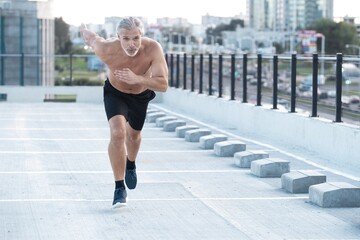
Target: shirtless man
<point>137,68</point>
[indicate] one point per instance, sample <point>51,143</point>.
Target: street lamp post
<point>322,51</point>
<point>354,46</point>
<point>358,47</point>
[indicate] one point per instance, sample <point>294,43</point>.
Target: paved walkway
<point>56,183</point>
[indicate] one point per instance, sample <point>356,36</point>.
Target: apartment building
<point>26,27</point>
<point>286,15</point>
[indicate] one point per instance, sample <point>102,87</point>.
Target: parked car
<point>306,84</point>
<point>350,71</point>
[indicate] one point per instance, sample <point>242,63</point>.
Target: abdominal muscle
<point>124,87</point>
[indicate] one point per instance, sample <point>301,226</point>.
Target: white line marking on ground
<point>52,120</point>
<point>6,112</point>
<point>151,199</point>
<point>108,172</point>
<point>265,145</point>
<point>101,152</point>
<point>62,129</point>
<point>56,129</point>
<point>82,139</point>
<point>52,152</point>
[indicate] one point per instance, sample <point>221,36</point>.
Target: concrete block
<point>195,134</point>
<point>161,120</point>
<point>270,167</point>
<point>335,195</point>
<point>153,116</point>
<point>300,181</point>
<point>170,126</point>
<point>208,142</point>
<point>229,148</point>
<point>151,110</point>
<point>181,131</point>
<point>244,159</point>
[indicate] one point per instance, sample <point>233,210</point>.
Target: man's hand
<point>88,36</point>
<point>82,28</point>
<point>127,76</point>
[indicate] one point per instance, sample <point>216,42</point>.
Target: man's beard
<point>131,52</point>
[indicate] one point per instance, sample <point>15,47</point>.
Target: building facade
<point>261,14</point>
<point>26,42</point>
<point>286,15</point>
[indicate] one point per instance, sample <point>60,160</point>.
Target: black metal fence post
<point>71,69</point>
<point>293,83</point>
<point>315,85</point>
<point>339,61</point>
<point>275,81</point>
<point>232,77</point>
<point>259,71</point>
<point>193,73</point>
<point>2,70</point>
<point>244,78</point>
<point>184,72</point>
<point>177,70</point>
<point>201,73</point>
<point>167,63</point>
<point>171,70</point>
<point>22,67</point>
<point>220,75</point>
<point>210,73</point>
<point>2,50</point>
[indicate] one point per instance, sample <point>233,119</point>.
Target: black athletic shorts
<point>132,106</point>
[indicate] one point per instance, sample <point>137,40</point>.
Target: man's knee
<point>133,136</point>
<point>118,135</point>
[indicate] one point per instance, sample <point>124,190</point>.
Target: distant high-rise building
<point>26,42</point>
<point>261,14</point>
<point>111,24</point>
<point>212,21</point>
<point>286,15</point>
<point>171,22</point>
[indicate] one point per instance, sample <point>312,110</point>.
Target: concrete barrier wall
<point>335,141</point>
<point>84,94</point>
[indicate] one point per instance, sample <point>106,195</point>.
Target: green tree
<point>337,35</point>
<point>216,32</point>
<point>63,44</point>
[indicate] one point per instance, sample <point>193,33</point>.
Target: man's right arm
<point>90,38</point>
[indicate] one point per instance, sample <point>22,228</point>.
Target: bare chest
<point>138,65</point>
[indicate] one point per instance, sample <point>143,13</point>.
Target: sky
<point>75,12</point>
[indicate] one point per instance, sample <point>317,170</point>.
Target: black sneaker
<point>119,197</point>
<point>130,178</point>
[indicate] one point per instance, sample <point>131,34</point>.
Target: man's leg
<point>116,149</point>
<point>132,141</point>
<point>117,155</point>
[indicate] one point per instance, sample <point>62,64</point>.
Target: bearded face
<point>130,41</point>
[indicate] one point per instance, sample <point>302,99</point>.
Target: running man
<point>137,68</point>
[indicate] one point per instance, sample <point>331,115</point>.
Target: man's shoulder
<point>112,40</point>
<point>110,44</point>
<point>149,41</point>
<point>150,44</point>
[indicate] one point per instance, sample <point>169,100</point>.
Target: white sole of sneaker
<point>119,205</point>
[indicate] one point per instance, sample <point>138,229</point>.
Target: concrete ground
<point>56,183</point>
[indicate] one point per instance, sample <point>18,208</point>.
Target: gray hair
<point>130,23</point>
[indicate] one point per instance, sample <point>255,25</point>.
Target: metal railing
<point>226,72</point>
<point>40,69</point>
<point>258,79</point>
